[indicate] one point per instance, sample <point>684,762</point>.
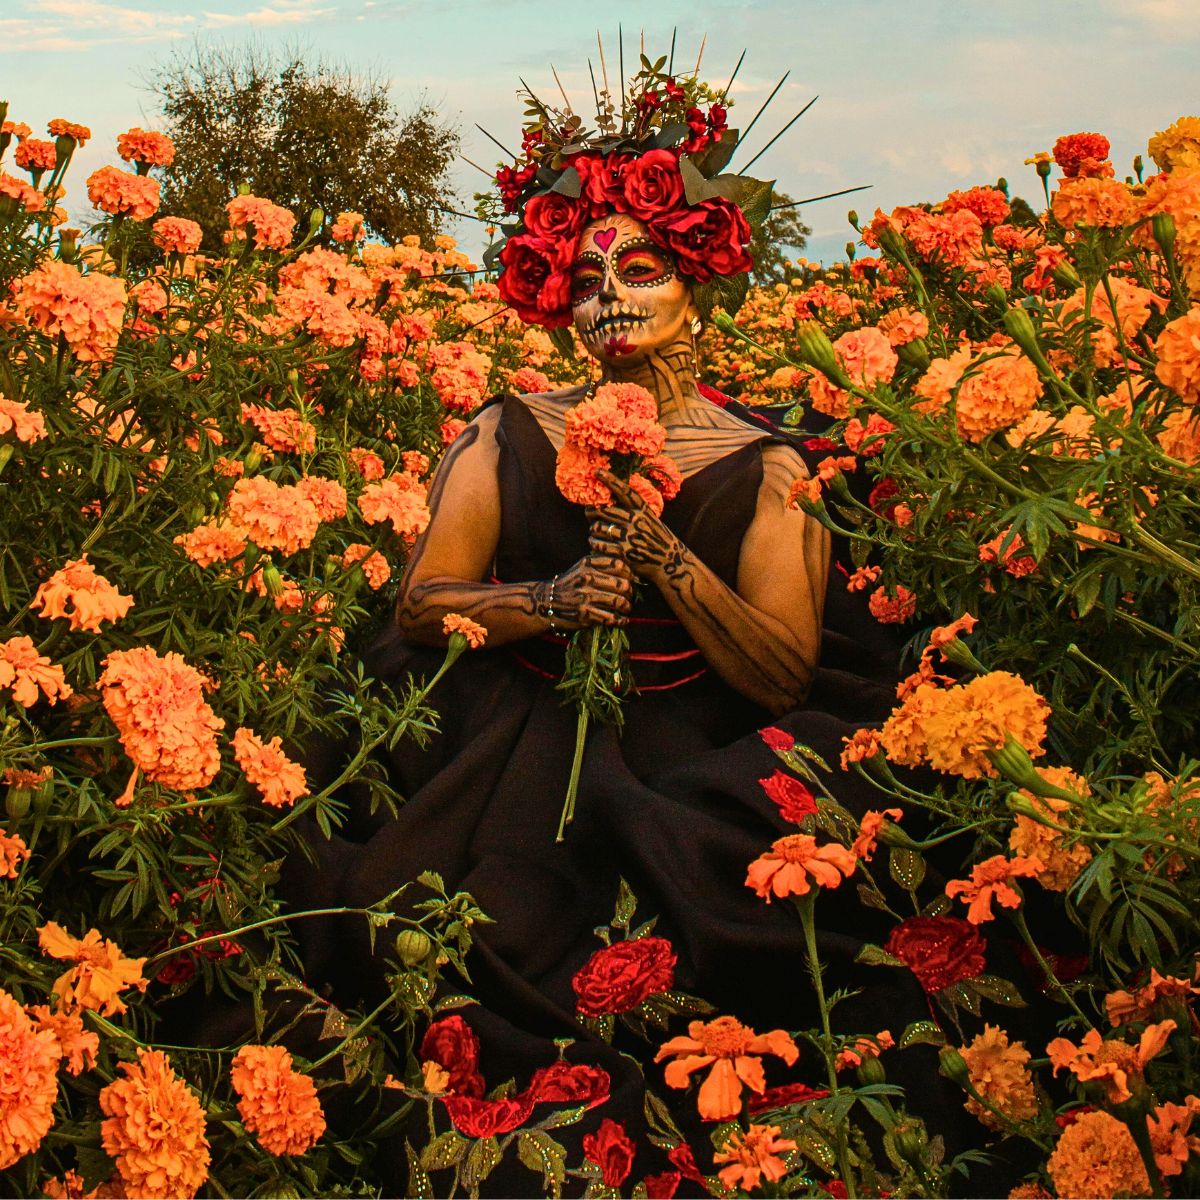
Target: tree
<point>777,241</point>
<point>302,134</point>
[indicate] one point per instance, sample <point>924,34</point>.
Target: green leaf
<point>432,880</point>
<point>922,1033</point>
<point>993,988</point>
<point>543,1155</point>
<point>906,867</point>
<point>626,905</point>
<point>876,956</point>
<point>714,158</point>
<point>444,1151</point>
<point>568,1116</point>
<point>563,342</point>
<point>482,1160</point>
<point>419,1185</point>
<point>568,183</point>
<point>722,291</point>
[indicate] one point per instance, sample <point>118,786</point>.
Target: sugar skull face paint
<point>627,298</point>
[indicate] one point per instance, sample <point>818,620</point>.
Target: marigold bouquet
<point>613,429</point>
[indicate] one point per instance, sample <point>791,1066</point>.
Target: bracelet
<point>550,606</point>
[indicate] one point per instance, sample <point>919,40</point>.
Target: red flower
<point>452,1044</point>
<point>781,1097</point>
<point>611,1150</point>
<point>602,180</point>
<point>1082,154</point>
<point>535,280</point>
<point>569,1083</point>
<point>711,238</point>
<point>619,977</point>
<point>487,1118</point>
<point>776,739</point>
<point>652,185</point>
<point>795,801</point>
<point>681,1156</point>
<point>512,184</point>
<point>554,216</point>
<point>938,950</point>
<point>662,1186</point>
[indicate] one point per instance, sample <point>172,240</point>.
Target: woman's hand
<point>627,530</point>
<point>597,590</point>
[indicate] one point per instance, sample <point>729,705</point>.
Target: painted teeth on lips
<point>620,319</point>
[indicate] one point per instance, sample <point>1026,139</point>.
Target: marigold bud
<point>1138,166</point>
<point>724,322</point>
<point>852,217</point>
<point>413,947</point>
<point>851,250</point>
<point>272,580</point>
<point>1013,762</point>
<point>1044,168</point>
<point>816,350</point>
<point>6,452</point>
<point>914,354</point>
<point>909,1144</point>
<point>1066,274</point>
<point>1019,327</point>
<point>17,801</point>
<point>316,219</point>
<point>1162,225</point>
<point>869,1071</point>
<point>997,295</point>
<point>953,1066</point>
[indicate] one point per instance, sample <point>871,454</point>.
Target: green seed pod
<point>413,947</point>
<point>17,801</point>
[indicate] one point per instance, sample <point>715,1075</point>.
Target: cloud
<point>1166,18</point>
<point>56,25</point>
<point>272,15</point>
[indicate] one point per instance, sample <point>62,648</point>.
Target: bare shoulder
<point>782,466</point>
<point>552,405</point>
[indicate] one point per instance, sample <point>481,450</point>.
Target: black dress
<point>673,806</point>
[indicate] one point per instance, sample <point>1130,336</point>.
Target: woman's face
<point>627,299</point>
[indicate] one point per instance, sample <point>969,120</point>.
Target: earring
<point>697,327</point>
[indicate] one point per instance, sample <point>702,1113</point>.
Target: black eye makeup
<point>642,264</point>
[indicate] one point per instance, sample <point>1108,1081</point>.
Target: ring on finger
<point>613,530</point>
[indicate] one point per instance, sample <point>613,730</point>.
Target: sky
<point>916,98</point>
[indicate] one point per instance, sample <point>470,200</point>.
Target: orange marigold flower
<point>166,726</point>
<point>869,829</point>
<point>280,780</point>
<point>990,881</point>
<point>1061,857</point>
<point>278,1104</point>
<point>1082,154</point>
<point>621,418</point>
<point>1178,349</point>
<point>122,193</point>
<point>1123,1007</point>
<point>989,204</point>
<point>999,1072</point>
<point>752,1157</point>
<point>60,128</point>
<point>13,852</point>
<point>177,235</point>
<point>87,310</point>
<point>86,599</point>
<point>893,606</point>
<point>734,1051</point>
<point>1029,1191</point>
<point>34,154</point>
<point>1180,436</point>
<point>1169,1125</point>
<point>861,745</point>
<point>99,973</point>
<point>475,634</point>
<point>145,146</point>
<point>372,564</point>
<point>29,673</point>
<point>270,224</point>
<point>367,463</point>
<point>996,394</point>
<point>76,1044</point>
<point>400,499</point>
<point>1096,1156</point>
<point>450,429</point>
<point>28,1082</point>
<point>903,325</point>
<point>328,496</point>
<point>212,542</point>
<point>154,1128</point>
<point>282,429</point>
<point>1111,1064</point>
<point>863,1048</point>
<point>1006,547</point>
<point>937,385</point>
<point>903,735</point>
<point>1094,202</point>
<point>795,863</point>
<point>862,578</point>
<point>16,193</point>
<point>348,227</point>
<point>273,516</point>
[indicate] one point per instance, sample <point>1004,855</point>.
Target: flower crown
<point>660,161</point>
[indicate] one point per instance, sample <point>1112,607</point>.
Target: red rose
<point>601,178</point>
<point>681,1156</point>
<point>611,1150</point>
<point>619,977</point>
<point>794,800</point>
<point>781,1097</point>
<point>569,1083</point>
<point>452,1044</point>
<point>938,950</point>
<point>554,216</point>
<point>535,279</point>
<point>662,1186</point>
<point>653,185</point>
<point>776,738</point>
<point>487,1118</point>
<point>711,238</point>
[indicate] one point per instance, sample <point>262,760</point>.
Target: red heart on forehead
<point>604,238</point>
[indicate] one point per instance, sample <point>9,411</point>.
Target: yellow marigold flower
<point>278,1105</point>
<point>154,1128</point>
<point>99,973</point>
<point>280,780</point>
<point>1061,859</point>
<point>1178,145</point>
<point>85,598</point>
<point>166,726</point>
<point>28,1082</point>
<point>1000,1074</point>
<point>1096,1156</point>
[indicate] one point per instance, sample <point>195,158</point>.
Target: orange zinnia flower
<point>99,973</point>
<point>280,780</point>
<point>1112,1064</point>
<point>733,1050</point>
<point>795,863</point>
<point>990,881</point>
<point>278,1104</point>
<point>85,598</point>
<point>28,1082</point>
<point>154,1128</point>
<point>29,674</point>
<point>752,1156</point>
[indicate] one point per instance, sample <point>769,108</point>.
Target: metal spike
<point>466,215</point>
<point>671,62</point>
<point>595,93</point>
<point>862,187</point>
<point>621,70</point>
<point>562,90</point>
<point>762,109</point>
<point>477,167</point>
<point>603,68</point>
<point>725,89</point>
<point>498,143</point>
<point>779,135</point>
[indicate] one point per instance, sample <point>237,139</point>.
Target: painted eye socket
<point>642,264</point>
<point>586,279</point>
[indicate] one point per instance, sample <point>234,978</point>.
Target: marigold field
<point>212,470</point>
